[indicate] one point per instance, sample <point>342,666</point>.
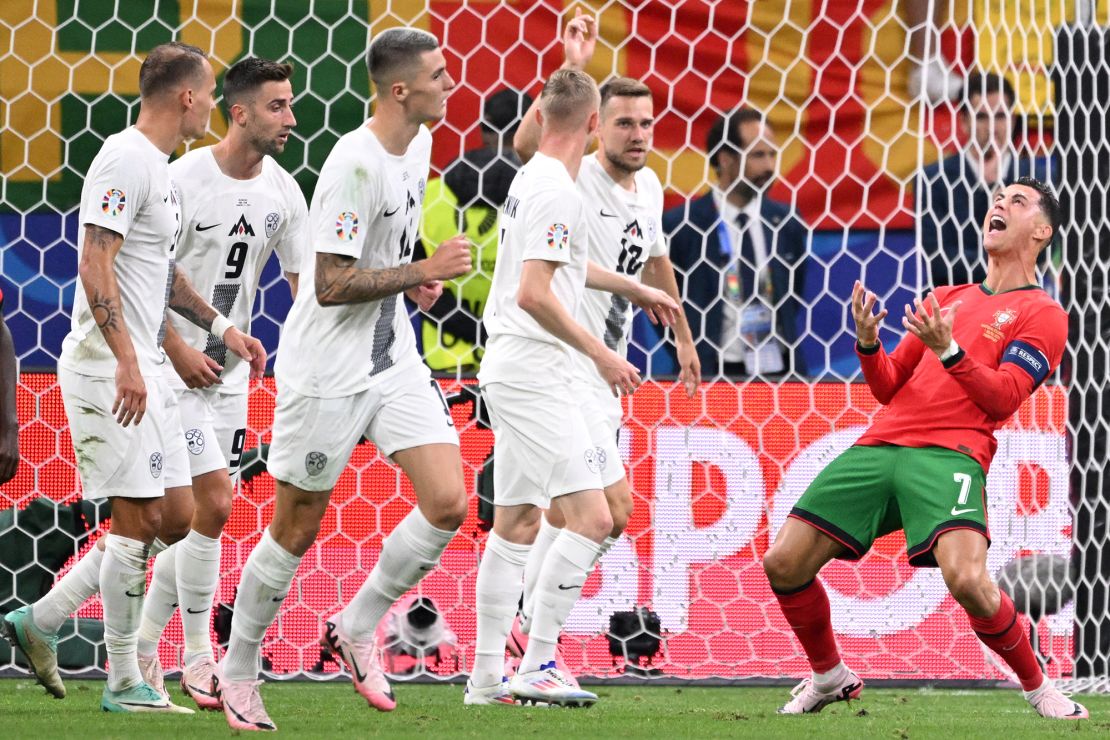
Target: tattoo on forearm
<point>188,303</point>
<point>105,311</point>
<point>338,281</point>
<point>99,237</point>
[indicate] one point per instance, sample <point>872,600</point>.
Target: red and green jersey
<point>1009,343</point>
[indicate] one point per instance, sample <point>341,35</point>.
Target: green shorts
<point>870,491</point>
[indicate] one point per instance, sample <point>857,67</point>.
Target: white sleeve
<point>349,195</point>
<point>658,248</point>
<point>294,237</point>
<point>114,192</point>
<point>552,214</point>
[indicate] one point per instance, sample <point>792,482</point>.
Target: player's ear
<point>593,122</point>
<point>1042,232</point>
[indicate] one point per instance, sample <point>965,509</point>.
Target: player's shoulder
<point>191,164</point>
<point>278,176</point>
<point>1038,300</point>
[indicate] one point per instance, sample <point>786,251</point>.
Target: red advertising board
<point>713,478</point>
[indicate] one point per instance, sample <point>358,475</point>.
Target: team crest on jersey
<point>314,462</point>
<point>558,236</point>
<point>155,464</point>
<point>420,187</point>
<point>595,458</point>
<point>346,226</point>
<point>114,202</point>
<point>995,331</point>
<point>273,221</point>
<point>650,230</point>
<point>194,440</point>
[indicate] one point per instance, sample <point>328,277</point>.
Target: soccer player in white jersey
<point>347,366</point>
<point>238,207</point>
<point>624,208</point>
<point>542,443</point>
<point>123,417</point>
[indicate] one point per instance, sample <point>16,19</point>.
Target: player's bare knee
<point>450,514</point>
<point>972,590</point>
<point>783,571</point>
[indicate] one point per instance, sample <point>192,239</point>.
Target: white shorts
<point>542,445</point>
<point>215,428</point>
<point>603,415</point>
<point>313,437</point>
<point>137,461</point>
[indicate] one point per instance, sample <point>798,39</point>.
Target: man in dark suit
<point>953,194</point>
<point>739,258</point>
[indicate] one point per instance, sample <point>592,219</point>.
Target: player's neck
<point>237,159</point>
<point>162,129</point>
<point>567,148</point>
<point>393,130</point>
<point>1007,272</point>
<point>622,177</point>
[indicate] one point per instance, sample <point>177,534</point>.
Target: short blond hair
<point>568,98</point>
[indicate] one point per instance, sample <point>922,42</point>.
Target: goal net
<point>850,91</point>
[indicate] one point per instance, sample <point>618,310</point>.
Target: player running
<point>925,473</point>
<point>624,207</point>
<point>238,206</point>
<point>347,366</point>
<point>543,445</point>
<point>123,417</point>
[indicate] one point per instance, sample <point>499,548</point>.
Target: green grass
<point>334,710</point>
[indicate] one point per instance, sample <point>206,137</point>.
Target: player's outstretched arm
<point>659,274</point>
<point>9,419</point>
<point>189,304</point>
<point>659,307</point>
<point>536,298</point>
<point>195,368</point>
<point>97,273</point>
<point>579,41</point>
<point>339,281</point>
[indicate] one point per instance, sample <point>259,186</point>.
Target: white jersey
<point>626,229</point>
<point>127,190</point>
<point>230,229</point>
<point>542,219</point>
<point>366,206</point>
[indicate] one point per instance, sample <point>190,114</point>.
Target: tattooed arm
<point>97,273</point>
<point>338,281</point>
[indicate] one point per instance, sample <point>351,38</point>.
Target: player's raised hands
<point>130,404</point>
<point>930,323</point>
<point>249,348</point>
<point>579,40</point>
<point>426,294</point>
<point>659,307</point>
<point>451,259</point>
<point>867,322</point>
<point>619,374</point>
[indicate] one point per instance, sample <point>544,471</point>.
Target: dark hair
<point>623,87</point>
<point>982,84</point>
<point>502,111</point>
<point>248,74</point>
<point>395,49</point>
<point>1050,204</point>
<point>724,134</point>
<point>167,66</point>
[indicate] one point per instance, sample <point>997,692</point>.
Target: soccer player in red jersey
<point>972,354</point>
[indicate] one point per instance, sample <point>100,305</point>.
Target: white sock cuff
<point>201,546</point>
<point>421,536</point>
<point>548,531</point>
<point>273,564</point>
<point>510,552</point>
<point>607,544</point>
<point>131,553</point>
<point>158,547</point>
<point>582,552</point>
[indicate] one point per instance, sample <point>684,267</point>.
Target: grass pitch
<point>332,710</point>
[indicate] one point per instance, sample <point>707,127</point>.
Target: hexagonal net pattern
<point>874,158</point>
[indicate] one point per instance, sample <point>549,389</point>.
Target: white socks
<point>124,569</point>
<point>565,568</point>
<point>831,678</point>
<point>187,573</point>
<point>410,551</point>
<point>496,595</point>
<point>77,586</point>
<point>262,589</point>
<point>545,538</point>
